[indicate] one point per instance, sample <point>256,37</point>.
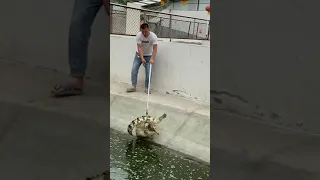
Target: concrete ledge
<point>186,129</point>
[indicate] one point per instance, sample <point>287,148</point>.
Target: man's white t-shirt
<point>146,42</point>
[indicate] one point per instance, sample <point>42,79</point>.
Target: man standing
<point>83,15</point>
<point>147,46</point>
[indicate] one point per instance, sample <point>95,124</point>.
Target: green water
<point>137,159</point>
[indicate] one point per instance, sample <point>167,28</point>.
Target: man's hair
<point>144,26</point>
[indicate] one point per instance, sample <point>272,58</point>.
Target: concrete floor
<point>37,144</point>
<point>45,138</point>
<point>245,150</point>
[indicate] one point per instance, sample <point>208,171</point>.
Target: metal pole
<point>197,31</point>
<point>170,26</point>
<point>198,5</point>
<point>145,17</point>
<point>194,26</point>
<point>208,31</point>
<point>173,5</point>
<point>189,29</point>
<point>110,19</point>
<point>208,35</point>
<point>160,28</point>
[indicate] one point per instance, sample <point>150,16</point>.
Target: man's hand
<point>151,61</point>
<point>143,60</point>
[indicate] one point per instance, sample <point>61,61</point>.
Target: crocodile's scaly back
<point>134,123</point>
<point>145,125</point>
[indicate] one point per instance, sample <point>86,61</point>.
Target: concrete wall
<point>266,61</point>
<point>36,32</point>
<point>179,67</point>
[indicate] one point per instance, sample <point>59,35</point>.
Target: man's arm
<point>155,47</point>
<point>140,51</point>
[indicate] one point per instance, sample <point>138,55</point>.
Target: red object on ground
<point>208,8</point>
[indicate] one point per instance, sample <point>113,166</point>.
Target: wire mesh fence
<point>126,21</point>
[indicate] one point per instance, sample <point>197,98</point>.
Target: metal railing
<point>126,21</point>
